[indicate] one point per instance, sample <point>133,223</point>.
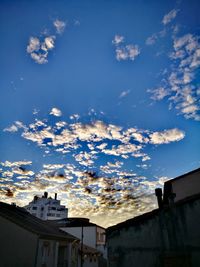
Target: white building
<point>47,208</point>
<point>89,233</point>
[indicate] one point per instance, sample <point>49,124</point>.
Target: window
<point>51,214</point>
<point>34,208</point>
<point>57,215</point>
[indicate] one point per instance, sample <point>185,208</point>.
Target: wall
<point>18,246</point>
<point>89,234</point>
<point>169,238</point>
<point>186,186</point>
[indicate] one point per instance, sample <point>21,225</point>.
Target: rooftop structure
<point>47,208</point>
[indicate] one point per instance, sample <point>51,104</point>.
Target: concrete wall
<point>186,186</point>
<point>18,246</point>
<point>170,238</point>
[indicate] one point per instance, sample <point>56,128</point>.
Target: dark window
<point>34,208</point>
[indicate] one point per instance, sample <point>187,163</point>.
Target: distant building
<point>90,234</point>
<point>47,208</point>
<point>27,241</point>
<point>165,237</point>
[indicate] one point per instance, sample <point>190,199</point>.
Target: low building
<point>27,241</point>
<point>47,208</point>
<point>91,235</point>
<point>168,236</point>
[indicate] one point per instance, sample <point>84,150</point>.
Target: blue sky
<point>99,102</point>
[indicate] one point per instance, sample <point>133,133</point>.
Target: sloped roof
<point>31,223</point>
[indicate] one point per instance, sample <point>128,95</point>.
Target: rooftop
<point>31,223</point>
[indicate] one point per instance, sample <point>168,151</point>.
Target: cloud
<point>56,112</point>
<point>151,39</point>
<point>158,93</point>
<point>179,85</point>
<point>59,25</point>
<point>124,93</point>
<point>118,39</point>
<point>170,16</point>
<point>12,129</point>
<point>166,137</point>
<point>127,52</point>
<point>39,50</point>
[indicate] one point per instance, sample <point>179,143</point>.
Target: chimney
<point>158,193</point>
<point>45,194</point>
<point>55,196</point>
<point>35,198</point>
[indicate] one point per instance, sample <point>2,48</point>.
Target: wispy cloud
<point>170,16</point>
<point>118,39</point>
<point>59,25</point>
<point>125,52</point>
<point>179,87</point>
<point>124,93</point>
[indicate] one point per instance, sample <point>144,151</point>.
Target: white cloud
<point>170,16</point>
<point>56,112</point>
<point>118,39</point>
<point>34,45</point>
<point>60,26</point>
<point>151,40</point>
<point>124,93</point>
<point>180,85</point>
<point>158,93</point>
<point>12,129</point>
<point>167,136</point>
<point>127,52</point>
<point>39,50</point>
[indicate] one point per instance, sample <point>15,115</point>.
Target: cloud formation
<point>125,52</point>
<point>169,16</point>
<point>56,112</point>
<point>179,87</point>
<point>39,50</point>
<point>59,25</point>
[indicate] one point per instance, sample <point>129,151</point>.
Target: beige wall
<point>18,246</point>
<point>186,186</point>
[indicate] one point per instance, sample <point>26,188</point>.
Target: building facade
<point>91,235</point>
<point>27,241</point>
<point>47,208</point>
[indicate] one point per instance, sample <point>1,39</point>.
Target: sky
<point>100,102</point>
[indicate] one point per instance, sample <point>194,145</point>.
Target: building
<point>47,208</point>
<point>91,235</point>
<point>182,186</point>
<point>27,241</point>
<point>168,236</point>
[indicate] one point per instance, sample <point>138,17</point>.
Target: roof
<point>31,223</point>
<point>74,222</point>
<point>138,220</point>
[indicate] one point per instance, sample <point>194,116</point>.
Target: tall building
<point>47,208</point>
